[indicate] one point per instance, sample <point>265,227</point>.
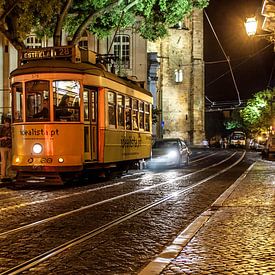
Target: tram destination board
<point>47,53</point>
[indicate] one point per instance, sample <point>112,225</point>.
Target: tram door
<point>90,124</point>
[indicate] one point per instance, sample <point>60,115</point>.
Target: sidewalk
<point>235,236</point>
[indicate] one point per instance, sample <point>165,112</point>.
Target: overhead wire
<point>236,66</point>
<point>271,75</point>
<point>227,57</point>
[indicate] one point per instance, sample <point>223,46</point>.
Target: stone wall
<point>182,103</point>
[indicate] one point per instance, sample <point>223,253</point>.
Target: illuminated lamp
<point>251,26</point>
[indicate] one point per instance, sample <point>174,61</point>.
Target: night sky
<point>252,64</point>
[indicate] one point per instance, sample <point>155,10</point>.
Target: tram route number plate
<point>44,53</point>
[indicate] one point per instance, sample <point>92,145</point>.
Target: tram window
<point>17,96</point>
<point>147,117</point>
<point>93,106</point>
<point>37,100</point>
<point>86,104</point>
<point>66,94</point>
<point>135,114</point>
<point>111,108</point>
<point>128,113</point>
<point>141,115</point>
<point>120,110</point>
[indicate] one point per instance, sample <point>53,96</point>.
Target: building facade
<point>176,78</point>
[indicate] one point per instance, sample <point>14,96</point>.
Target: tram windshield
<point>37,100</point>
<point>66,100</point>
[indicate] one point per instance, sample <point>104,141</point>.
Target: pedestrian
<point>5,149</point>
<point>225,143</point>
<point>221,142</point>
<point>205,143</point>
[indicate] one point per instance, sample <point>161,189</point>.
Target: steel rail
<point>62,215</point>
<point>10,207</point>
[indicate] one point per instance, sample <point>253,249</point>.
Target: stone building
<point>176,77</point>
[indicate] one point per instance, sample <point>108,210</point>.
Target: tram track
<point>62,197</point>
<point>52,252</point>
<point>75,211</point>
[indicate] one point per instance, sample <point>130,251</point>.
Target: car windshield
<point>165,144</point>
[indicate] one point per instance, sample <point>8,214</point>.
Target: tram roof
<point>62,66</point>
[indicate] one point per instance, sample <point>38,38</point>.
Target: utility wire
<point>227,57</point>
<point>271,74</point>
<point>241,63</point>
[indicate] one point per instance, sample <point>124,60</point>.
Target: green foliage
<point>234,122</point>
<point>151,18</point>
<point>257,113</point>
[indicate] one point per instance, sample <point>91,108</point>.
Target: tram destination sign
<point>47,53</point>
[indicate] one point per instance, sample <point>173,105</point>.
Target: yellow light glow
<point>251,26</point>
<point>60,160</point>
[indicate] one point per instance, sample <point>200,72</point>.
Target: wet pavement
<point>235,236</point>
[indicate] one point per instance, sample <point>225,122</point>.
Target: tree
<point>257,113</point>
<point>234,122</point>
<point>151,18</point>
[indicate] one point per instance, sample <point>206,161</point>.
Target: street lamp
<point>251,24</point>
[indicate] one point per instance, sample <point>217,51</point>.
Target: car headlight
<point>172,154</point>
<point>37,148</point>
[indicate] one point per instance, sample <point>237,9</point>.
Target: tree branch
<point>60,21</point>
<point>79,32</point>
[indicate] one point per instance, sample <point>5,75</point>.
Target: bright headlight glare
<point>60,160</point>
<point>37,148</point>
<point>172,154</point>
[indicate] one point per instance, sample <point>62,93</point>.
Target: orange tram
<point>70,117</point>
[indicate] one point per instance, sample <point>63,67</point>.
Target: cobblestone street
<point>239,236</point>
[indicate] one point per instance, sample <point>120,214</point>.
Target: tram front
<point>47,122</point>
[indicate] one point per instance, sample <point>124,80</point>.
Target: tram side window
<point>135,114</point>
<point>37,100</point>
<point>128,113</point>
<point>120,110</point>
<point>147,117</point>
<point>141,115</point>
<point>112,108</point>
<point>66,95</point>
<point>86,104</point>
<point>17,99</point>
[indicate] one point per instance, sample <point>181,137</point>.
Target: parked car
<point>169,152</point>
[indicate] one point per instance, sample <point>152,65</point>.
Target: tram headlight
<point>37,148</point>
<point>60,160</point>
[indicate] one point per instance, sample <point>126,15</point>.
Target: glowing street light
<point>251,26</point>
